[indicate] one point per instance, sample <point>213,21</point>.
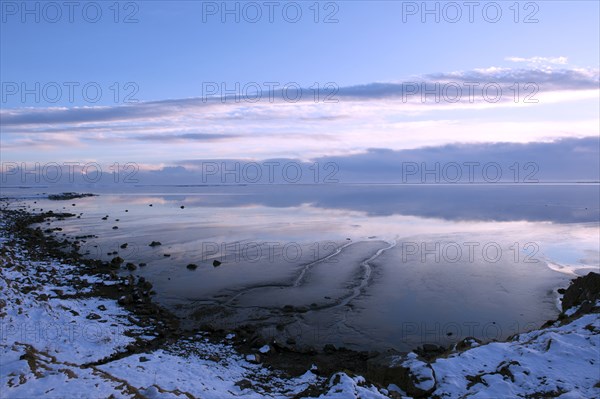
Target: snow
<point>342,386</point>
<point>420,371</point>
<point>252,358</point>
<point>556,359</point>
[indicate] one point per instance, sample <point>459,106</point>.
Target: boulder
<point>408,372</point>
<point>253,358</point>
<point>582,290</point>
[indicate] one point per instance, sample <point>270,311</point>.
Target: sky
<point>162,83</point>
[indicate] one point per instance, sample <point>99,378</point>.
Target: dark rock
<point>125,300</point>
<point>243,384</point>
<point>412,375</point>
<point>93,316</point>
<point>155,243</point>
<point>582,290</point>
<point>123,246</point>
<point>192,266</point>
<point>130,266</point>
<point>329,348</point>
<point>253,358</point>
<point>432,348</point>
<point>142,264</point>
<point>68,196</point>
<point>115,227</point>
<point>216,263</point>
<point>467,343</point>
<point>116,261</point>
<point>144,359</point>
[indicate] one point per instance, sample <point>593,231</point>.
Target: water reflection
<point>368,267</point>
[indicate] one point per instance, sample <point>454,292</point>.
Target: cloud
<point>206,137</point>
<point>536,61</point>
<point>395,115</point>
<point>235,109</point>
<point>572,159</point>
<point>563,160</point>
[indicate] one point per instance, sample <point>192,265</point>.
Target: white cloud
<point>537,61</point>
<point>378,114</point>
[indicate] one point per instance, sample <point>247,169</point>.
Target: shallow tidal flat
<point>367,268</point>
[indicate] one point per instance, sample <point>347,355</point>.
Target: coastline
<point>145,329</point>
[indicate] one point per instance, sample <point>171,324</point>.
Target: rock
<point>123,246</point>
<point>243,384</point>
<point>216,263</point>
<point>329,348</point>
<point>431,348</point>
<point>144,359</point>
<point>93,316</point>
<point>466,343</point>
<point>582,290</point>
<point>130,266</point>
<point>102,308</point>
<point>167,255</point>
<point>69,196</point>
<point>430,351</point>
<point>412,375</point>
<point>182,207</point>
<point>115,227</point>
<point>264,349</point>
<point>125,300</point>
<point>116,261</point>
<point>155,243</point>
<point>142,264</point>
<point>253,358</point>
<point>192,266</point>
<point>288,308</point>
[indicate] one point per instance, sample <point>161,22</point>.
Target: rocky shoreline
<point>411,373</point>
<point>135,295</point>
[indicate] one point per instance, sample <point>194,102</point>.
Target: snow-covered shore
<point>60,338</point>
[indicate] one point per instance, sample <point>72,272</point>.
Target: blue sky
<point>170,53</point>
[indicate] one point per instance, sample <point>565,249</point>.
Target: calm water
<point>364,266</point>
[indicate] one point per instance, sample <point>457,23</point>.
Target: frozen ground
<point>58,341</point>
